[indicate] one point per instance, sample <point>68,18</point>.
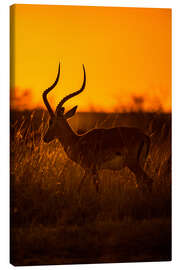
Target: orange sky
<point>126,53</point>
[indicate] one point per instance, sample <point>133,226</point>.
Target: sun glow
<point>126,53</point>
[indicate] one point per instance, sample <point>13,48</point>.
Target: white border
<point>127,3</point>
<point>4,127</point>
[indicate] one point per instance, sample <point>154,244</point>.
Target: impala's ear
<point>70,113</point>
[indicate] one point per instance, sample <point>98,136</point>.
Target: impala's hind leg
<point>142,179</point>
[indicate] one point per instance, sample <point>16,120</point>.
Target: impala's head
<point>58,118</point>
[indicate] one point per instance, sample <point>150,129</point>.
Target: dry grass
<point>53,224</point>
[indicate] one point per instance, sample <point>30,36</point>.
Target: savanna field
<point>51,223</point>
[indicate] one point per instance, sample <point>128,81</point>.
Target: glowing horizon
<point>126,53</point>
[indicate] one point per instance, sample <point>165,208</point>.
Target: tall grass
<point>44,196</point>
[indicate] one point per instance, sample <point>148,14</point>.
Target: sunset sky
<point>126,53</point>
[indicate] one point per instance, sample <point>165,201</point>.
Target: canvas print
<point>90,134</point>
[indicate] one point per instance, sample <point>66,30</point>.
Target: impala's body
<point>98,149</point>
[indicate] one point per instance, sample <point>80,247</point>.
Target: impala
<point>97,149</point>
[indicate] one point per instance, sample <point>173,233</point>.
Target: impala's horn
<point>47,91</point>
<point>59,106</point>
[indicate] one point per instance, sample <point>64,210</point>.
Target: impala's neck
<point>66,135</point>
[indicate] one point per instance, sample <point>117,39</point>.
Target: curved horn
<point>47,91</point>
<point>59,106</point>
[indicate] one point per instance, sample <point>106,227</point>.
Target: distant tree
<point>138,102</point>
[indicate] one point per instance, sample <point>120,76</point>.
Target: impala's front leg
<point>142,179</point>
<point>90,174</point>
<point>96,180</point>
<point>64,173</point>
<point>87,173</point>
